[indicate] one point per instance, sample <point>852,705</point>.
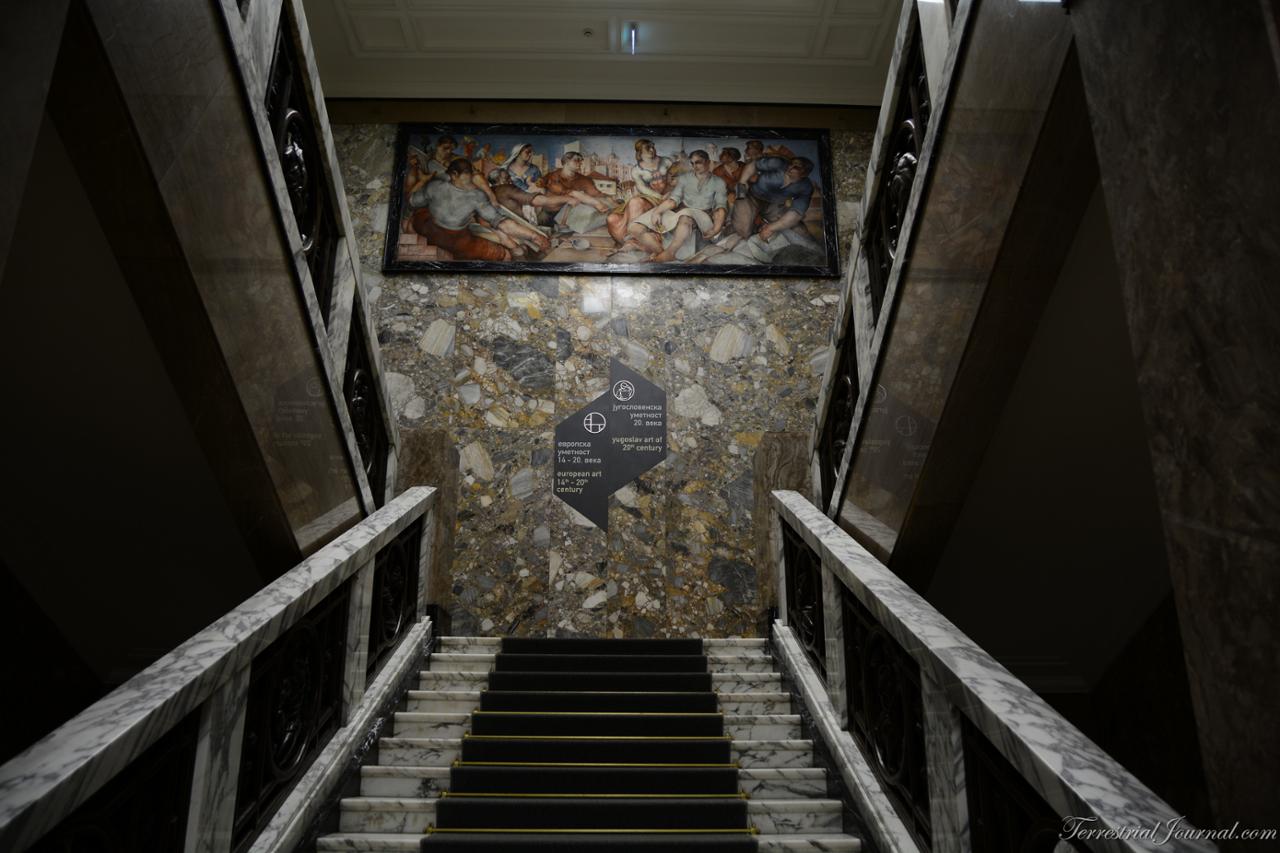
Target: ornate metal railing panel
<point>295,704</point>
<point>360,389</point>
<point>1005,813</point>
<point>804,596</point>
<point>395,595</point>
<point>294,128</point>
<point>143,810</point>
<point>886,712</point>
<point>841,404</point>
<point>904,141</point>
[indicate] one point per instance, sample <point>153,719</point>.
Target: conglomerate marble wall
<point>497,360</point>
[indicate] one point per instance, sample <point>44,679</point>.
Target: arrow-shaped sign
<point>609,442</point>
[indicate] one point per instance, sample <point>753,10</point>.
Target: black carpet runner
<point>595,745</point>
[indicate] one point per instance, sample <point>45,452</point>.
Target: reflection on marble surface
<point>1192,207</point>
<point>496,360</point>
<point>1073,775</point>
<point>976,162</point>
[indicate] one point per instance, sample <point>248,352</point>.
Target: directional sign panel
<point>609,442</point>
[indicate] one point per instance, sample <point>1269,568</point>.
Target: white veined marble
<point>792,816</point>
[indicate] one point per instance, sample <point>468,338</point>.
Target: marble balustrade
<point>209,674</point>
<point>1072,774</point>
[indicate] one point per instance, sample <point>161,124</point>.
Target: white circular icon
<point>906,425</point>
<point>623,390</point>
<point>594,422</point>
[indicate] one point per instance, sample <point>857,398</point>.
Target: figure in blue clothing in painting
<point>778,198</point>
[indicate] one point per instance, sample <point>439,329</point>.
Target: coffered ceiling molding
<point>724,51</point>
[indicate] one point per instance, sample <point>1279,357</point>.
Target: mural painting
<point>612,200</point>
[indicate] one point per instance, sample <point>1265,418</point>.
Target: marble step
<point>763,783</point>
<point>410,724</point>
<point>397,814</point>
<point>721,682</point>
<point>379,780</point>
<point>387,842</point>
<point>787,817</point>
<point>755,702</point>
<point>473,662</point>
<point>491,645</point>
<point>443,701</point>
<point>466,701</point>
<point>441,752</point>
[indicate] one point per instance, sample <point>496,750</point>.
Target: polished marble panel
<point>976,163</point>
<point>28,50</point>
<point>1182,100</point>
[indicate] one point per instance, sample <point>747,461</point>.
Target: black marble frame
<point>829,268</point>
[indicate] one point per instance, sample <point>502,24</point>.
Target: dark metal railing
<point>1005,813</point>
<point>295,705</point>
<point>803,569</point>
<point>395,595</point>
<point>904,140</point>
<point>293,127</point>
<point>360,390</point>
<point>842,401</point>
<point>144,809</point>
<point>886,712</point>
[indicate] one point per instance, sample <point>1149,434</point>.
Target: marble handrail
<point>44,784</point>
<point>1072,773</point>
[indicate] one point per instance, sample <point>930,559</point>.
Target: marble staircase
<point>785,795</point>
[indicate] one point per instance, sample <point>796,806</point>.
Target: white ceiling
<point>719,51</point>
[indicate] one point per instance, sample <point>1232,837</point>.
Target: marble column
<point>356,660</point>
<point>426,553</point>
<point>1184,101</point>
<point>211,818</point>
<point>833,635</point>
<point>429,457</point>
<point>777,560</point>
<point>944,762</point>
<point>780,462</point>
